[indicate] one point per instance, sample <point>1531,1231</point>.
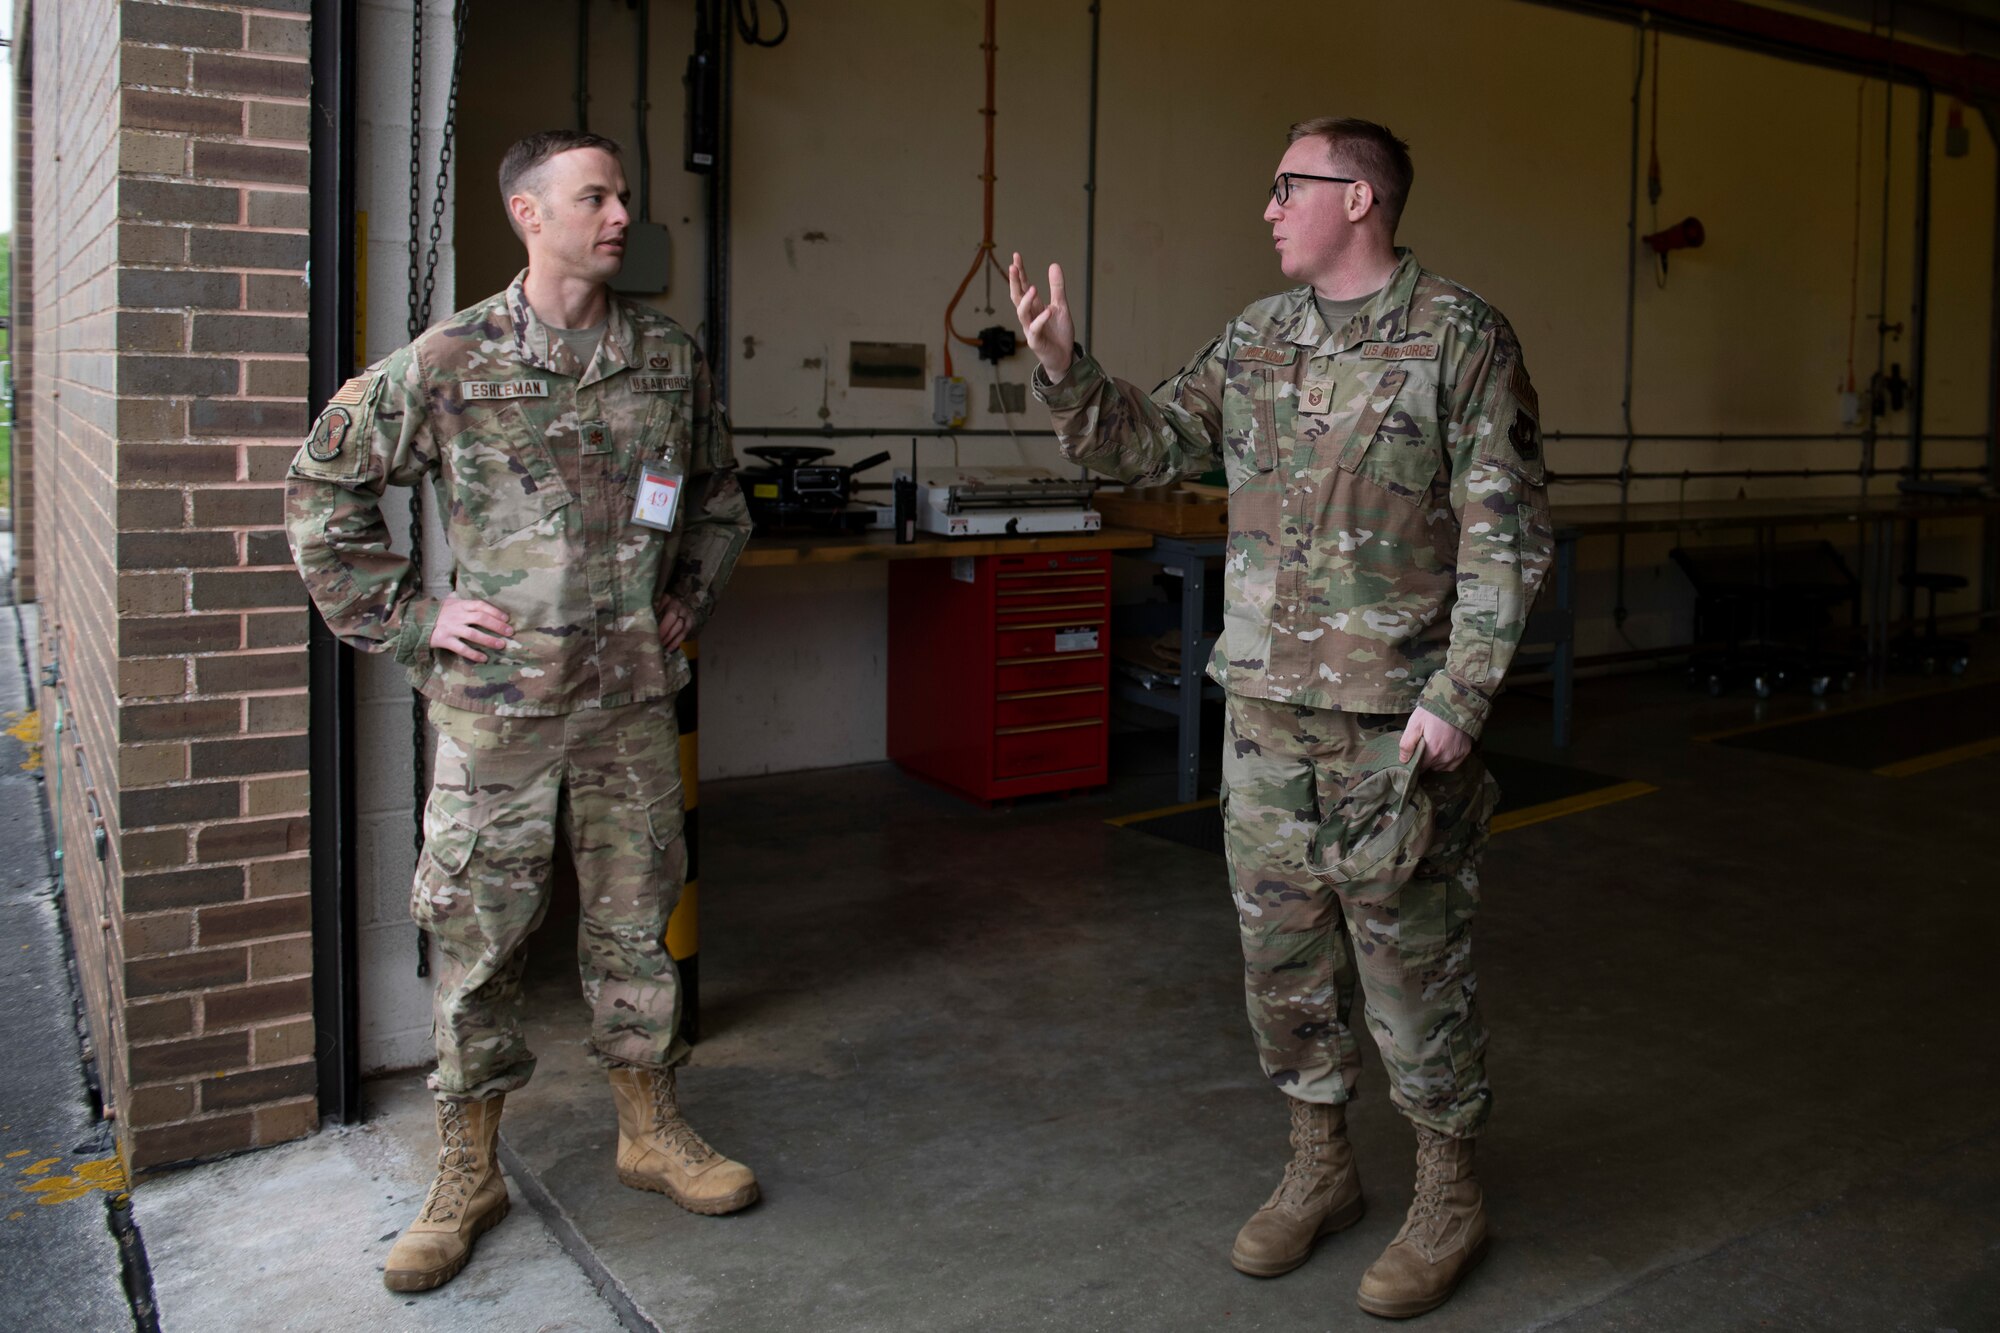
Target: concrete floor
<point>58,1173</point>
<point>993,1071</point>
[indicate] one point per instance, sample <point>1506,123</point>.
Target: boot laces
<point>1430,1189</point>
<point>452,1190</point>
<point>672,1127</point>
<point>1300,1177</point>
<point>1302,1172</point>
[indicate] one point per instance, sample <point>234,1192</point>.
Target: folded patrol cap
<point>1383,822</point>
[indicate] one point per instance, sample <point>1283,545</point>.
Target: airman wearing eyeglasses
<point>1388,531</point>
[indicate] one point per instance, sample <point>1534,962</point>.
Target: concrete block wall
<point>395,1001</point>
<point>171,182</point>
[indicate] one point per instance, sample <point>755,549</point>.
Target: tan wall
<point>863,128</point>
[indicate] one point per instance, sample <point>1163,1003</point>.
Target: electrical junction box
<point>649,260</point>
<point>951,401</point>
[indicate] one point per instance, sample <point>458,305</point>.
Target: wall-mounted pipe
<point>1742,474</point>
<point>1745,437</point>
<point>1920,284</point>
<point>1090,189</point>
<point>583,64</point>
<point>1618,609</point>
<point>870,432</point>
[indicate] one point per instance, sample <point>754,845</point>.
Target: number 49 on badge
<point>659,498</point>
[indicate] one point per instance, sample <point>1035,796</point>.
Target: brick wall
<point>170,304</point>
<point>21,501</point>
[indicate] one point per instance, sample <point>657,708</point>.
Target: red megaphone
<point>1684,235</point>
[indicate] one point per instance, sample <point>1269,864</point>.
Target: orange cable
<point>984,254</point>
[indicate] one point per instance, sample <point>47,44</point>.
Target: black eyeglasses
<point>1281,188</point>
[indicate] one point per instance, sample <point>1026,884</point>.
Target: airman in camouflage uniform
<point>550,670</point>
<point>1388,531</point>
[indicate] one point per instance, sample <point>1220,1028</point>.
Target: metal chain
<point>416,324</point>
<point>423,286</point>
<point>458,10</point>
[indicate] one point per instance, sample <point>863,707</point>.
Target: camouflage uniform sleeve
<point>1146,440</point>
<point>718,518</point>
<point>1505,542</point>
<point>373,434</point>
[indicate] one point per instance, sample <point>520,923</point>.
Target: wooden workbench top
<point>831,549</point>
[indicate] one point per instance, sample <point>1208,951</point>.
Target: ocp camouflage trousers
<point>610,779</point>
<point>1306,946</point>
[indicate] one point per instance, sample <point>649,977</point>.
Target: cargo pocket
<point>665,819</point>
<point>450,838</point>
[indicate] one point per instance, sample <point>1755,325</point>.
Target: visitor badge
<point>659,497</point>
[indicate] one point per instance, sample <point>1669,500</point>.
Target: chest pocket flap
<point>503,476</point>
<point>1381,398</point>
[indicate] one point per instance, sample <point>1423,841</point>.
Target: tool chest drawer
<point>1039,706</point>
<point>1062,748</point>
<point>999,671</point>
<point>1053,640</point>
<point>1048,673</point>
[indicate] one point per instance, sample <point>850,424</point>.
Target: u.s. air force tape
<point>1409,351</point>
<point>329,435</point>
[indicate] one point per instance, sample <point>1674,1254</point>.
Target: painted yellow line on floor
<point>1570,805</point>
<point>1164,811</point>
<point>1821,715</point>
<point>1924,763</point>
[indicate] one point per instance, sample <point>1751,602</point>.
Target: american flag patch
<point>353,391</point>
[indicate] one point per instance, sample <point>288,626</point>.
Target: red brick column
<point>21,339</point>
<point>173,608</point>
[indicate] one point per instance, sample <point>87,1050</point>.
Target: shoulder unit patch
<point>329,435</point>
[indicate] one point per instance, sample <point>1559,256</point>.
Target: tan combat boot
<point>1319,1195</point>
<point>468,1198</point>
<point>659,1151</point>
<point>1443,1238</point>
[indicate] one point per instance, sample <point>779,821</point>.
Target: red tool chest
<point>1000,671</point>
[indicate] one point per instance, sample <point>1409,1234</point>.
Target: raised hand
<point>1050,333</point>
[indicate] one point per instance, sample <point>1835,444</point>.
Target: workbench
<point>1874,516</point>
<point>1553,624</point>
<point>1552,627</point>
<point>1188,558</point>
<point>839,549</point>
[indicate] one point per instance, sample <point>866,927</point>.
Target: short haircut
<point>1367,150</point>
<point>521,165</point>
